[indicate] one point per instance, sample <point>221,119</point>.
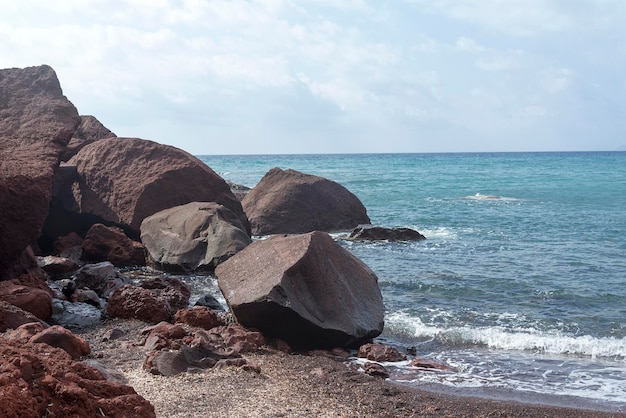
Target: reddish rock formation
<point>195,236</point>
<point>155,301</point>
<point>429,364</point>
<point>380,352</point>
<point>37,301</point>
<point>227,340</point>
<point>122,181</point>
<point>37,380</point>
<point>131,301</point>
<point>290,202</point>
<point>36,122</point>
<point>305,289</point>
<point>376,370</point>
<point>89,130</point>
<point>105,243</point>
<point>57,336</point>
<point>199,316</point>
<point>165,329</point>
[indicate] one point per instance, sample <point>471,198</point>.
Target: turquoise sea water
<point>521,283</point>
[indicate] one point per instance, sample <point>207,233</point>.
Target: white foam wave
<point>523,339</point>
<point>479,196</point>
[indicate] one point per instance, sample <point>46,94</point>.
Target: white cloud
<point>348,70</point>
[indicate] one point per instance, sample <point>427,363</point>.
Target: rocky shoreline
<point>290,385</point>
<point>82,338</point>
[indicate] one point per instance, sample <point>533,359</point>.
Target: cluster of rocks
<point>87,202</point>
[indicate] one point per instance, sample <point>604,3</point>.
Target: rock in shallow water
<point>291,202</point>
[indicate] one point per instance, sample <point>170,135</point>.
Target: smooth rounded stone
<point>195,236</point>
<point>305,289</point>
<point>210,302</point>
<point>60,337</point>
<point>291,202</point>
<point>75,315</point>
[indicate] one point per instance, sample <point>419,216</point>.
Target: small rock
<point>199,316</point>
<point>376,370</point>
<point>57,336</point>
<point>380,352</point>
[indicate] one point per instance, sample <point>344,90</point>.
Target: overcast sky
<point>323,76</point>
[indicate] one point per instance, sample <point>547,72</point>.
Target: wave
<point>479,196</point>
<point>501,338</point>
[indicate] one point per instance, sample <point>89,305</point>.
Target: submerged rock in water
<point>378,233</point>
<point>305,289</point>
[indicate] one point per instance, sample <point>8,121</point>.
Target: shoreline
<point>295,385</point>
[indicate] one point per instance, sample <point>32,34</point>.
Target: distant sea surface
<point>521,282</point>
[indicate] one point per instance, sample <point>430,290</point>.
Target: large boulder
<point>195,236</point>
<point>291,202</point>
<point>304,289</point>
<point>122,181</point>
<point>89,130</point>
<point>36,123</point>
<point>37,380</point>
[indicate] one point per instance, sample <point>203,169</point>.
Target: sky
<point>323,76</point>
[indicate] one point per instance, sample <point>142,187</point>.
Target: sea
<point>520,285</point>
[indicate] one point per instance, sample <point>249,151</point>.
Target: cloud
<point>295,75</point>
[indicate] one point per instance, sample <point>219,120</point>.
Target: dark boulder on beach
<point>122,181</point>
<point>195,236</point>
<point>36,123</point>
<point>89,130</point>
<point>378,233</point>
<point>304,289</point>
<point>291,202</point>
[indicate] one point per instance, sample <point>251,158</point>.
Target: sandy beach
<point>293,385</point>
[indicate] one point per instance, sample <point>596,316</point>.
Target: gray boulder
<point>291,202</point>
<point>195,236</point>
<point>304,289</point>
<point>102,278</point>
